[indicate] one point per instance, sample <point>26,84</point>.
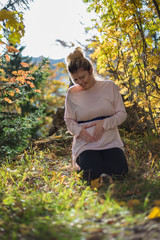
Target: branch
<point>20,3</point>
<point>157,7</point>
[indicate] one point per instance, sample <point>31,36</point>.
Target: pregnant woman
<point>93,111</point>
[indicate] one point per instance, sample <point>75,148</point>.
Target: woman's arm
<point>120,112</point>
<point>72,125</point>
<point>70,118</point>
<point>113,121</point>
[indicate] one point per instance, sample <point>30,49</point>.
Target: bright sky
<point>48,20</point>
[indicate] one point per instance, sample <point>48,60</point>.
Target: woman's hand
<point>97,134</point>
<point>85,136</point>
<point>98,130</point>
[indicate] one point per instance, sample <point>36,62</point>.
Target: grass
<point>43,198</point>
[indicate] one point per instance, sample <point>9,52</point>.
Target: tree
<point>18,90</point>
<point>14,4</point>
<point>14,61</point>
<point>12,27</point>
<point>20,111</point>
<point>126,49</point>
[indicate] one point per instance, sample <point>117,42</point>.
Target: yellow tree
<point>126,49</point>
<point>54,91</point>
<point>12,23</point>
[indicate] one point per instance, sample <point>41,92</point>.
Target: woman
<point>93,111</point>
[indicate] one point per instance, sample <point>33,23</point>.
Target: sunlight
<point>50,20</point>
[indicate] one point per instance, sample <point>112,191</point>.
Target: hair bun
<point>78,53</point>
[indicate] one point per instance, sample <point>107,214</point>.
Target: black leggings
<point>95,162</point>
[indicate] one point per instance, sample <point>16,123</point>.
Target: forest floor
<point>43,198</point>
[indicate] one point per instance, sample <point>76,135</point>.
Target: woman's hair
<point>77,60</point>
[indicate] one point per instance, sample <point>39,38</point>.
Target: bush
<point>16,133</point>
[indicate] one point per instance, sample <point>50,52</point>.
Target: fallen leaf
<point>132,203</point>
<point>155,213</point>
<point>62,178</point>
<point>110,222</point>
<point>156,202</point>
<point>93,230</point>
<point>24,229</point>
<point>101,200</point>
<point>95,237</point>
<point>96,183</point>
<point>121,203</point>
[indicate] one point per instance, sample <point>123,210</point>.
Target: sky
<point>48,20</point>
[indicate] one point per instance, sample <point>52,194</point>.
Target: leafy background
<point>40,194</point>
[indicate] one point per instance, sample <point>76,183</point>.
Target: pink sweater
<point>103,99</point>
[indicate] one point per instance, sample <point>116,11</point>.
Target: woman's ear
<point>91,70</point>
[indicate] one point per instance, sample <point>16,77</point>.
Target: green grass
<point>43,198</point>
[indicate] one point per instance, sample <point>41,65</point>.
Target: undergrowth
<point>43,198</point>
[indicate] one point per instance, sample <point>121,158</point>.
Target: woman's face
<point>83,78</point>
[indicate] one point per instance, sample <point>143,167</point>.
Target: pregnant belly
<point>107,137</point>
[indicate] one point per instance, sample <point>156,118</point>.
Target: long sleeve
<point>120,112</point>
<point>70,118</point>
<point>103,99</point>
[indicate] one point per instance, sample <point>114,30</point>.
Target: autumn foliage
<point>40,193</point>
<point>20,113</point>
<point>13,22</point>
<point>29,92</point>
<point>126,49</point>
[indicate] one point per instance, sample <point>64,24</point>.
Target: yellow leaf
<point>96,183</point>
<point>155,213</point>
<point>128,104</point>
<point>5,14</point>
<point>11,93</point>
<point>124,90</point>
<point>57,137</point>
<point>122,203</point>
<point>62,178</point>
<point>2,71</point>
<point>45,178</point>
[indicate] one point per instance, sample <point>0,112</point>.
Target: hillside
<point>37,60</point>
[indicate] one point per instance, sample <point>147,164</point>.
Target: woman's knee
<point>88,159</point>
<point>115,161</point>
